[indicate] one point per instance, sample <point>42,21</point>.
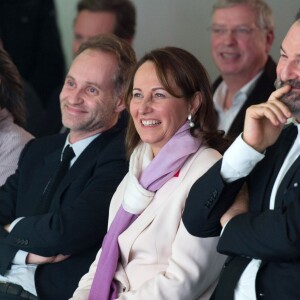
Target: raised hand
<point>264,122</point>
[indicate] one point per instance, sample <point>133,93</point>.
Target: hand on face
<point>264,122</point>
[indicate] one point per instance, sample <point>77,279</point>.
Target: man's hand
<point>39,260</point>
<point>239,206</point>
<point>264,122</point>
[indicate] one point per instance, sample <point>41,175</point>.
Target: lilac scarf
<point>138,194</point>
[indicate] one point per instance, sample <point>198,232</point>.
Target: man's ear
<point>120,105</point>
<point>269,40</point>
<point>196,102</point>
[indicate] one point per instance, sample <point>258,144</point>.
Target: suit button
<point>26,242</point>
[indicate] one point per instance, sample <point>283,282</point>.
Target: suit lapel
<point>269,169</point>
<point>127,238</point>
<point>287,182</point>
<point>86,160</point>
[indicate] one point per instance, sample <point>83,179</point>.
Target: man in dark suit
<point>48,242</point>
<point>263,241</point>
<point>242,34</point>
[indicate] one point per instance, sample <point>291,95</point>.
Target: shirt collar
<point>243,93</point>
<point>80,146</point>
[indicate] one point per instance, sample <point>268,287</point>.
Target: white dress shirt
<point>226,116</point>
<point>235,166</point>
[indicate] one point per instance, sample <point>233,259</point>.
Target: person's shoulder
<point>207,156</point>
<point>114,137</point>
<point>48,143</point>
<point>201,161</point>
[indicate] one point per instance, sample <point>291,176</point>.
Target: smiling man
<point>242,33</point>
<point>47,243</point>
<point>263,240</point>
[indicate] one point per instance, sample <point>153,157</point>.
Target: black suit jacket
<point>260,93</point>
<point>77,218</point>
<point>270,235</point>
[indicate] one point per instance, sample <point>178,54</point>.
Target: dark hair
<point>124,10</point>
<point>123,52</point>
<point>11,89</point>
<point>175,65</point>
<point>298,16</point>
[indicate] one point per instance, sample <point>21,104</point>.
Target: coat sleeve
<point>269,235</point>
<point>76,223</point>
<point>208,199</point>
<point>8,196</point>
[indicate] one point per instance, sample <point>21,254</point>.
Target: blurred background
<point>176,23</point>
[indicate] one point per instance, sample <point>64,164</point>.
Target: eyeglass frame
<point>241,31</point>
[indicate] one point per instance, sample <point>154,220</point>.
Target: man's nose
<point>289,72</point>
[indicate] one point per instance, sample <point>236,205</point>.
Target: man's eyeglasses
<point>238,32</point>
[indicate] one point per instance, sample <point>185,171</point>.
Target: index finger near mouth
<point>281,91</point>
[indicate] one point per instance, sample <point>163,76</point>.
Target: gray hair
<point>265,18</point>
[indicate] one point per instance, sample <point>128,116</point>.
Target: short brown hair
<point>123,9</point>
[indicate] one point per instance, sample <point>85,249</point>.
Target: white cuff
<point>239,160</point>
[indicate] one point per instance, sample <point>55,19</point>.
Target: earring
<point>191,123</point>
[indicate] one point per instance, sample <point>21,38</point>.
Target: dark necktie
<point>55,180</point>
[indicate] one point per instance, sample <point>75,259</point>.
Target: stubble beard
<point>292,98</point>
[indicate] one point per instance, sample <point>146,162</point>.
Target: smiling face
<point>88,103</point>
<point>156,114</point>
<point>288,69</point>
<point>239,48</point>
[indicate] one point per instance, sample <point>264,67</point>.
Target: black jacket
<point>272,236</point>
<point>77,219</point>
